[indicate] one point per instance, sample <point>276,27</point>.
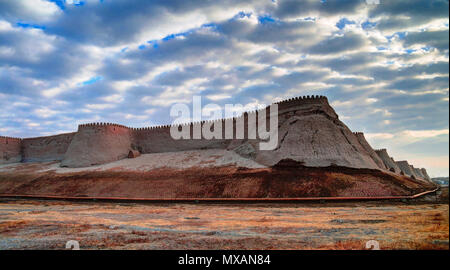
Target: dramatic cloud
<point>383,66</point>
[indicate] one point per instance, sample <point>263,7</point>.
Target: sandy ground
<point>33,224</point>
<point>147,162</point>
<point>288,179</point>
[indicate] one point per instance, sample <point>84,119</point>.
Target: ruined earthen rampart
<point>10,150</point>
<point>418,173</point>
<point>425,174</point>
<point>99,143</point>
<point>362,140</point>
<point>405,167</point>
<point>42,149</point>
<point>309,131</point>
<point>389,163</point>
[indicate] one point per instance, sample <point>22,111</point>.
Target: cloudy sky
<point>384,67</point>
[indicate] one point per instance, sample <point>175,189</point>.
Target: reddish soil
<point>42,224</point>
<point>288,179</point>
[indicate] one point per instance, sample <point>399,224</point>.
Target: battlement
<point>358,133</point>
<point>301,99</point>
<point>10,149</point>
<point>402,162</point>
<point>10,138</point>
<point>100,125</point>
<point>151,128</point>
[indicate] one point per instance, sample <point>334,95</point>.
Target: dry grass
<point>344,245</point>
<point>224,226</point>
<point>10,226</point>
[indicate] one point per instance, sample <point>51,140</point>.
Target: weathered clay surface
<point>10,150</point>
<point>418,172</point>
<point>389,163</point>
<point>362,140</point>
<point>405,167</point>
<point>287,179</point>
<point>316,140</point>
<point>425,174</point>
<point>44,149</point>
<point>94,145</point>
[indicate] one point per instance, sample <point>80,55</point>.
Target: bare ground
<point>288,179</point>
<point>38,224</point>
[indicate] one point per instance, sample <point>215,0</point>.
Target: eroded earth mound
<point>316,155</point>
<point>213,177</point>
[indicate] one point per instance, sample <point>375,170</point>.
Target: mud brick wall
<point>10,150</point>
<point>42,149</point>
<point>98,143</point>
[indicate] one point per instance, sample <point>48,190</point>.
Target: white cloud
<point>424,133</point>
<point>116,98</point>
<point>45,112</point>
<point>370,136</point>
<point>99,106</point>
<point>36,10</point>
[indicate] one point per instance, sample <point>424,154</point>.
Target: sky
<point>383,65</point>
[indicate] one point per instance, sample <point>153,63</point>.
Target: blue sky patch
<point>242,15</point>
<point>59,3</point>
<point>30,25</point>
<point>173,36</point>
<point>153,43</point>
<point>312,19</point>
<point>266,19</point>
<point>343,22</point>
<point>368,25</point>
<point>92,80</point>
<point>78,3</point>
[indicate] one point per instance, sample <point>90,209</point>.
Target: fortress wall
<point>10,150</point>
<point>42,149</point>
<point>317,140</point>
<point>388,161</point>
<point>365,144</point>
<point>98,143</point>
<point>405,167</point>
<point>345,148</point>
<point>309,132</point>
<point>418,172</point>
<point>308,105</point>
<point>357,156</point>
<point>414,172</point>
<point>316,137</point>
<point>158,140</point>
